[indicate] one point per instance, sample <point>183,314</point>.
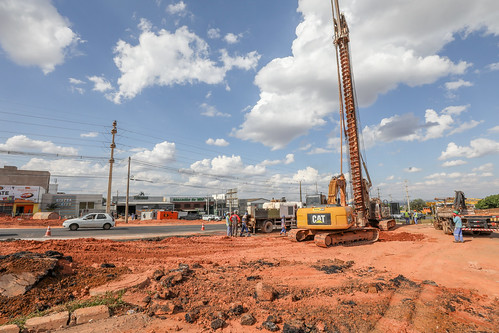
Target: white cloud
<point>177,8</point>
<point>23,143</point>
<point>383,59</point>
<point>453,163</point>
<point>162,153</point>
<point>214,33</point>
<point>477,148</point>
<point>455,110</point>
<point>290,158</point>
<point>465,126</point>
<point>231,38</point>
<point>412,169</point>
<point>76,81</point>
<point>100,84</point>
<point>250,61</point>
<point>488,167</point>
<point>211,111</point>
<point>217,142</point>
<point>392,177</point>
<point>305,147</point>
<point>226,165</point>
<point>494,66</point>
<point>454,85</point>
<point>89,135</point>
<point>166,59</point>
<point>319,150</point>
<point>494,129</point>
<point>408,127</point>
<point>67,167</point>
<point>33,33</point>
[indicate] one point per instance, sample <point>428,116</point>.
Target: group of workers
<point>232,221</point>
<point>411,217</point>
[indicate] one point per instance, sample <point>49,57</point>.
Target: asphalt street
<point>120,232</point>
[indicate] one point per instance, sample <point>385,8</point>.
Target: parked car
<point>191,217</point>
<point>92,220</point>
<point>211,217</point>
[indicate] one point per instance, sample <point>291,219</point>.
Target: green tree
<point>51,207</point>
<point>492,201</point>
<point>418,204</point>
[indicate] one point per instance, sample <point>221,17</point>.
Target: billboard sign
<point>12,192</point>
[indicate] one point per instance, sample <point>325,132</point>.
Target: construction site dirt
<point>414,279</point>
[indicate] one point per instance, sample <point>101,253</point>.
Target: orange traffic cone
<point>48,233</point>
<point>202,227</point>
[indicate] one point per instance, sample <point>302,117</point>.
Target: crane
<point>337,223</point>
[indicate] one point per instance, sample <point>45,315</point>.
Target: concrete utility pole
<point>127,190</point>
<point>111,161</point>
<point>407,196</point>
<point>300,192</point>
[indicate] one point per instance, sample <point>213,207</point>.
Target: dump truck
<point>268,218</point>
<point>477,222</point>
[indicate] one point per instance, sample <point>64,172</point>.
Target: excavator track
<point>350,237</point>
<point>298,235</point>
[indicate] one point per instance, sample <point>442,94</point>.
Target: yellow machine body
<point>325,218</point>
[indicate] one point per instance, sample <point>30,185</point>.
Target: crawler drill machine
<point>337,223</point>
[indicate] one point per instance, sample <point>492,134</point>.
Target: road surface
<point>119,232</point>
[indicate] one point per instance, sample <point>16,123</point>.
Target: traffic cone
<point>48,233</point>
<point>202,226</point>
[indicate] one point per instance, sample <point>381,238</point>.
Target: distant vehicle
<point>397,216</point>
<point>211,217</point>
<point>191,217</point>
<point>92,220</point>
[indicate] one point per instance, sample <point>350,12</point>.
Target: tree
<point>51,207</point>
<point>492,201</point>
<point>418,204</point>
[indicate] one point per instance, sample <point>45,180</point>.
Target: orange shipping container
<point>167,215</point>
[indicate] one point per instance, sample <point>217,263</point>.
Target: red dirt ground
<point>415,279</point>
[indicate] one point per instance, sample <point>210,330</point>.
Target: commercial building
<point>138,204</point>
<point>72,205</point>
<point>21,190</point>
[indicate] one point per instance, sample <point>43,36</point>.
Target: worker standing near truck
<point>283,225</point>
<point>458,227</point>
<point>415,216</point>
<point>244,225</point>
<point>407,217</point>
<point>227,223</point>
<point>235,220</point>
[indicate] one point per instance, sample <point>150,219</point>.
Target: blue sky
<point>212,95</point>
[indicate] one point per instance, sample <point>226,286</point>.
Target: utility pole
<point>407,196</point>
<point>127,190</point>
<point>111,161</point>
<point>379,197</point>
<point>300,192</point>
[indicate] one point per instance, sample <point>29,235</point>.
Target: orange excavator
<point>336,222</point>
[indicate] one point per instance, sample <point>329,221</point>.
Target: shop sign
<point>187,199</point>
<point>11,193</point>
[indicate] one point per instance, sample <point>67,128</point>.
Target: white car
<point>92,220</point>
<point>211,217</point>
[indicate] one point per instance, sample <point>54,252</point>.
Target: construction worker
<point>283,225</point>
<point>235,219</point>
<point>244,225</point>
<point>407,217</point>
<point>415,216</point>
<point>227,223</point>
<point>458,227</point>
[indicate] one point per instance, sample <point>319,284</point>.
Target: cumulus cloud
<point>494,129</point>
<point>162,153</point>
<point>453,163</point>
<point>494,66</point>
<point>412,169</point>
<point>89,135</point>
<point>454,85</point>
<point>392,177</point>
<point>217,142</point>
<point>169,58</point>
<point>214,33</point>
<point>211,111</point>
<point>23,143</point>
<point>226,165</point>
<point>177,8</point>
<point>75,85</point>
<point>477,148</point>
<point>488,167</point>
<point>67,167</point>
<point>319,150</point>
<point>33,33</point>
<point>383,59</point>
<point>231,38</point>
<point>408,127</point>
<point>290,158</point>
<point>100,83</point>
